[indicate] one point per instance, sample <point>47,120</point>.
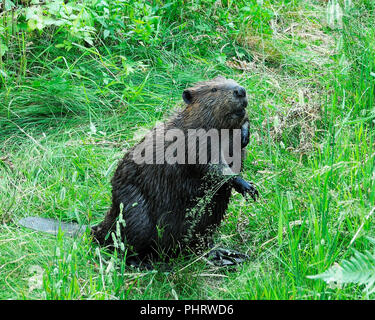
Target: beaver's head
<point>221,102</point>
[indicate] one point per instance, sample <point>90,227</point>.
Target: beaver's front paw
<point>245,135</point>
<point>245,188</point>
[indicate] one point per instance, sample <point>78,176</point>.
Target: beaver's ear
<point>187,95</point>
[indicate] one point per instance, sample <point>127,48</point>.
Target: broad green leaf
<point>3,49</point>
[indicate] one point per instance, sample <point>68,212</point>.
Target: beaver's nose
<point>239,92</point>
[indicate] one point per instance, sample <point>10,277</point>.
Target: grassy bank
<point>73,100</point>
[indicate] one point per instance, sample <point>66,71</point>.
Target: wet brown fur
<point>168,207</point>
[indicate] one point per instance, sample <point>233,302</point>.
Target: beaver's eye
<point>213,89</point>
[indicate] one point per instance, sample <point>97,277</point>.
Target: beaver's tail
<point>53,226</point>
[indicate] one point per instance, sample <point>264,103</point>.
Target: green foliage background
<point>81,81</point>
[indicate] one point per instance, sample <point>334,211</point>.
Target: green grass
<point>67,117</point>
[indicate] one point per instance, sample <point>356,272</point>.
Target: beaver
<point>160,207</point>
